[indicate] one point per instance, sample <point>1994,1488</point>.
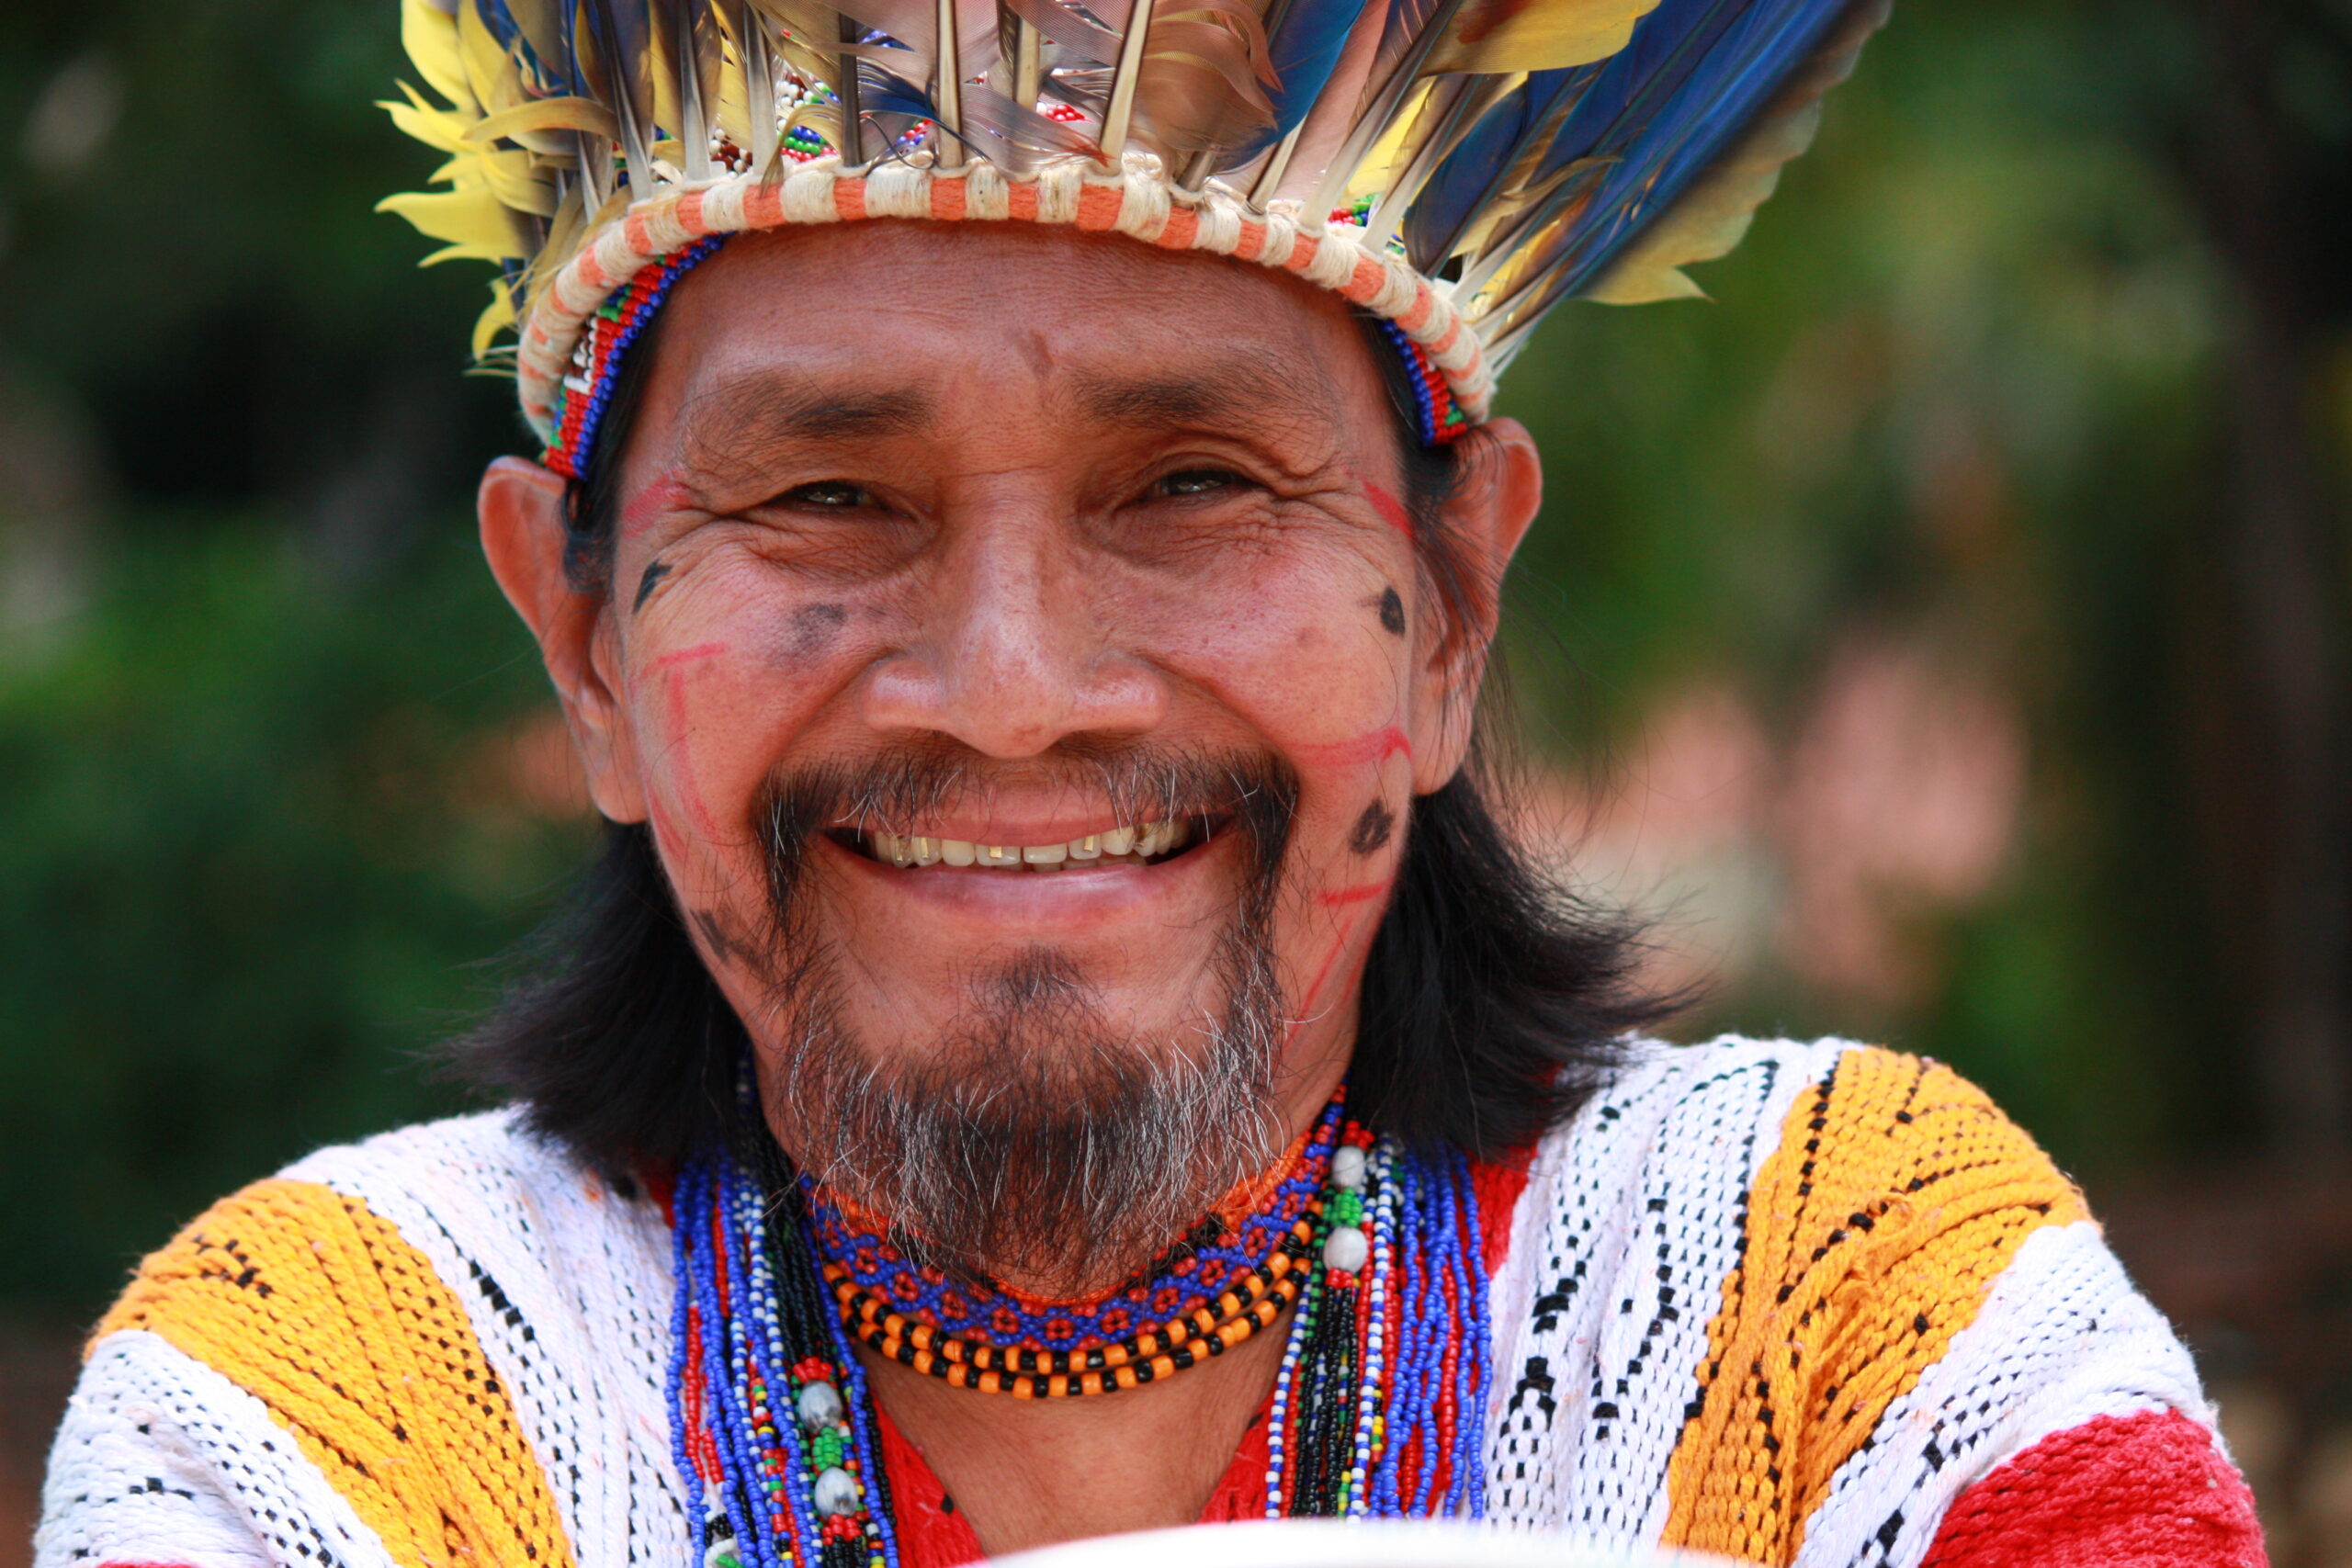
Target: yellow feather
<point>440,129</point>
<point>495,320</point>
<point>430,36</point>
<point>733,109</point>
<point>465,252</point>
<point>489,71</point>
<point>1494,36</point>
<point>517,180</point>
<point>1393,151</point>
<point>546,115</point>
<point>473,219</point>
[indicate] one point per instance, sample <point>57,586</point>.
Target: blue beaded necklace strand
<point>1378,1408</point>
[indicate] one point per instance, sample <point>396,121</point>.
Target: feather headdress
<point>1454,166</point>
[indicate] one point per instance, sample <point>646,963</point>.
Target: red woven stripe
<point>2147,1491</point>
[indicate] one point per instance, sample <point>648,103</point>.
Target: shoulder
<point>460,1287</point>
<point>1734,1257</point>
<point>1789,1131</point>
<point>442,1204</point>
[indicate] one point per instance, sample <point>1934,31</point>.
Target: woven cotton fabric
<point>1811,1304</point>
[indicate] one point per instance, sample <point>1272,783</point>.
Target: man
<point>1059,1043</point>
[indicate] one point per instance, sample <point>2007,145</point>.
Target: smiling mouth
<point>1149,843</point>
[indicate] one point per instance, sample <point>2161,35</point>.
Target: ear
<point>521,507</point>
<point>1483,521</point>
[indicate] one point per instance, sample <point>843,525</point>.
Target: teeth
<point>1151,840</point>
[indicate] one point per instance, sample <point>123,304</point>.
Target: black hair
<point>1493,999</point>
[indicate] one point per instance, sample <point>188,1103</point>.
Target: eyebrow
<point>1247,386</point>
<point>752,411</point>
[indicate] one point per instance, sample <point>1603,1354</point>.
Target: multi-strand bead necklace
<point>1378,1405</point>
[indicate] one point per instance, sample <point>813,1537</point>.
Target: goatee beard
<point>1032,1144</point>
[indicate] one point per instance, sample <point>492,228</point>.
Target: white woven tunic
<point>1814,1304</point>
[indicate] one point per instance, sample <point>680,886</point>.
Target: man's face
<point>1016,646</point>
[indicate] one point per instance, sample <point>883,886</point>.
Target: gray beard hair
<point>1032,1145</point>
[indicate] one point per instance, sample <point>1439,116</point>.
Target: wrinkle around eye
<point>836,542</point>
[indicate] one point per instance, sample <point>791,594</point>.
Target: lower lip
<point>1040,903</point>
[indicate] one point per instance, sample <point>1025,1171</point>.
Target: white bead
<point>837,1491</point>
<point>1345,1248</point>
<point>820,1406</point>
<point>1347,1167</point>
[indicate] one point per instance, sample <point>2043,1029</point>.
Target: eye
<point>836,495</point>
<point>1195,481</point>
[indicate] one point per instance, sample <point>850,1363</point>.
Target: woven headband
<point>603,299</point>
<point>1454,169</point>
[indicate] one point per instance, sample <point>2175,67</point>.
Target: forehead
<point>997,319</point>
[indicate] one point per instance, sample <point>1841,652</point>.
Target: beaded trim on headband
<point>617,323</point>
<point>611,329</point>
<point>1137,202</point>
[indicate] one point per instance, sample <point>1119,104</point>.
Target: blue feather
<point>1472,176</point>
<point>1693,78</point>
<point>1304,48</point>
<point>1705,69</point>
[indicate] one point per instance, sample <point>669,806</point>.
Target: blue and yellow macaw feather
<point>1522,151</point>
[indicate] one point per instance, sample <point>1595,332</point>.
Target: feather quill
<point>1521,151</point>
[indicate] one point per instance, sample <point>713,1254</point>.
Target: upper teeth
<point>1141,843</point>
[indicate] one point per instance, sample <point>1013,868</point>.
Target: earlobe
<point>521,510</point>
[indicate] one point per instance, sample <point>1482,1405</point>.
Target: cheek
<point>723,672</point>
<point>1295,649</point>
<point>1305,654</point>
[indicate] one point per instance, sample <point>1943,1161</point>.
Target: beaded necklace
<point>1378,1407</point>
<point>1223,1283</point>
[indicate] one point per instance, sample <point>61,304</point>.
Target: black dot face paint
<point>814,626</point>
<point>723,945</point>
<point>1373,829</point>
<point>654,573</point>
<point>1392,611</point>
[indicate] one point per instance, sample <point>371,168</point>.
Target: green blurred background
<point>1945,630</point>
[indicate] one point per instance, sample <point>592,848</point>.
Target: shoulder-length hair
<point>1493,999</point>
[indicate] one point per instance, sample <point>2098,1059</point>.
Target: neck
<point>1028,1472</point>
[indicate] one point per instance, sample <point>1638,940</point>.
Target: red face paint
<point>690,655</point>
<point>674,682</point>
<point>646,507</point>
<point>1392,510</point>
<point>1339,898</point>
<point>1372,746</point>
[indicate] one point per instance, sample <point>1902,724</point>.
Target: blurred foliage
<point>259,814</point>
<point>1958,378</point>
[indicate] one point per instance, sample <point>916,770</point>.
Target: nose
<point>1011,652</point>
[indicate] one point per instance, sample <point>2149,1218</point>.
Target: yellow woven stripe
<point>318,1308</point>
<point>1898,1193</point>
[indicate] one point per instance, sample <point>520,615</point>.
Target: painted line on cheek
<point>690,655</point>
<point>1372,746</point>
<point>1315,990</point>
<point>1341,897</point>
<point>674,689</point>
<point>665,837</point>
<point>645,508</point>
<point>1392,510</point>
